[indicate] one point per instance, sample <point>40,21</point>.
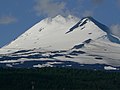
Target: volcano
<point>64,42</point>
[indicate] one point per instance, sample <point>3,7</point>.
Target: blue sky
<point>16,16</point>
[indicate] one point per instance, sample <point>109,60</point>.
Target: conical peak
<point>89,21</point>
<point>100,25</point>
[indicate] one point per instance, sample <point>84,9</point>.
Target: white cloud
<point>50,7</point>
<point>87,13</point>
<point>115,29</point>
<point>7,19</point>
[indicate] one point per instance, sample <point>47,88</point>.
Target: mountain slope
<point>63,41</point>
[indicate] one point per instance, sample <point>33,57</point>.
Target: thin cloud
<point>87,13</point>
<point>7,19</point>
<point>115,29</point>
<point>49,7</point>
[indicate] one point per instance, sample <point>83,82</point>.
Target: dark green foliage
<point>58,79</point>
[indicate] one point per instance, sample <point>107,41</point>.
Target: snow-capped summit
<point>51,35</point>
<point>59,19</point>
<point>84,41</point>
<point>60,33</point>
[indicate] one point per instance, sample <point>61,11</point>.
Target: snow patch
<point>110,68</point>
